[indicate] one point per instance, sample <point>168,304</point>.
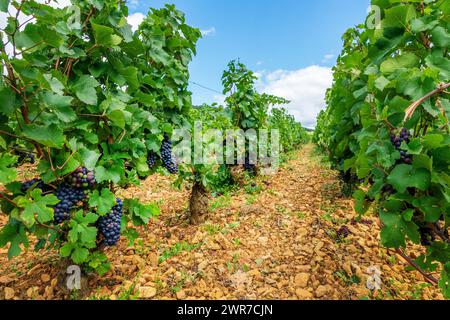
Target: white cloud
<point>208,32</point>
<point>135,20</point>
<point>328,57</point>
<point>133,4</point>
<point>258,63</point>
<point>305,88</point>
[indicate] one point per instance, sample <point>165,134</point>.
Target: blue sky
<point>290,43</point>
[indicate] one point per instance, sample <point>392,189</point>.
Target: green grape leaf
<point>89,157</point>
<point>66,250</point>
<point>107,174</point>
<point>4,5</point>
<point>405,176</point>
<point>8,99</point>
<point>61,105</point>
<point>396,228</point>
<point>117,117</point>
<point>405,60</point>
<point>385,153</point>
<point>79,255</point>
<point>444,282</point>
<point>430,207</point>
<point>83,233</point>
<point>13,233</point>
<point>104,36</point>
<point>141,214</point>
<point>442,64</point>
<point>7,172</point>
<point>56,85</point>
<point>361,203</point>
<point>37,208</point>
<point>50,136</point>
<point>103,202</point>
<point>85,89</point>
<point>441,37</point>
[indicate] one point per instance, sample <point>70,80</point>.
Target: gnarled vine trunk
<point>198,204</point>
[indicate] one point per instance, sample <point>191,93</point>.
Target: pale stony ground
<point>279,243</point>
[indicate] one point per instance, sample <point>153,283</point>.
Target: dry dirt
<point>278,243</point>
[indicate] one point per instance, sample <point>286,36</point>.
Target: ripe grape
<point>397,142</point>
<point>25,156</point>
<point>250,168</point>
<point>167,157</point>
<point>109,225</point>
<point>68,197</point>
<point>388,189</point>
<point>343,232</point>
<point>426,236</point>
<point>151,159</point>
<point>30,183</point>
<point>82,178</point>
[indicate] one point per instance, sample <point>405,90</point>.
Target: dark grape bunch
<point>39,184</point>
<point>388,189</point>
<point>25,157</point>
<point>82,178</point>
<point>426,236</point>
<point>343,232</point>
<point>397,142</point>
<point>249,167</point>
<point>109,225</point>
<point>152,157</point>
<point>69,197</point>
<point>167,157</point>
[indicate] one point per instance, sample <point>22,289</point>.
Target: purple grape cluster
<point>249,167</point>
<point>24,157</point>
<point>389,189</point>
<point>82,178</point>
<point>152,157</point>
<point>397,142</point>
<point>109,225</point>
<point>167,157</point>
<point>30,183</point>
<point>69,197</point>
<point>426,236</point>
<point>343,232</point>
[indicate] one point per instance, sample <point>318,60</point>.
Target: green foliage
<point>249,108</point>
<point>176,249</point>
<point>244,109</point>
<point>379,74</point>
<point>211,118</point>
<point>86,91</point>
<point>292,134</point>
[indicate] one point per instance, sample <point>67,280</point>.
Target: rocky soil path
<point>276,239</point>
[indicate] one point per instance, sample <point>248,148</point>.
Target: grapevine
<point>387,123</point>
<point>76,93</point>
